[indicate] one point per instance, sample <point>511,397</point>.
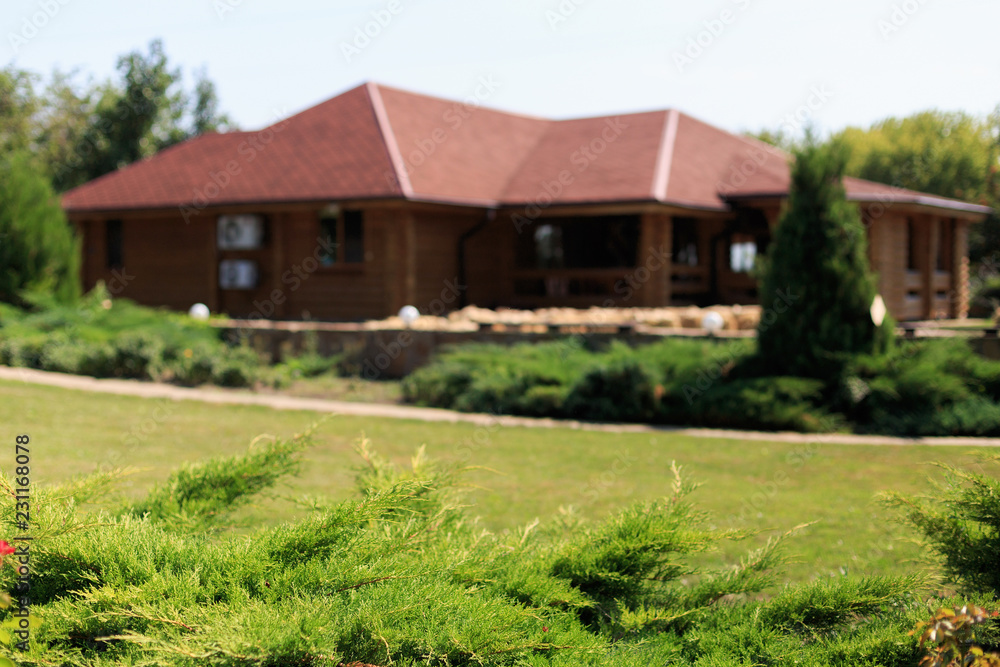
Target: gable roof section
<point>376,142</point>
<point>591,160</point>
<point>334,150</point>
<point>454,151</point>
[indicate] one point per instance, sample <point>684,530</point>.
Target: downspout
<point>463,297</point>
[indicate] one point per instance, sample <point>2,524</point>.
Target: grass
<point>531,472</point>
<point>335,388</point>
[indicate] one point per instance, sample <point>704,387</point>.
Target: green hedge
<point>106,338</point>
<point>931,387</point>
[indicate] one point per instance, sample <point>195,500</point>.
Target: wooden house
<point>380,198</point>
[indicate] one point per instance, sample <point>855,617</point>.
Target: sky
<point>744,65</point>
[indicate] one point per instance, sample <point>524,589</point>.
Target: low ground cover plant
<point>403,574</point>
<point>104,337</point>
<point>925,387</point>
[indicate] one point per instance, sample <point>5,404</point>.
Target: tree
<point>818,255</point>
<point>18,104</point>
<point>128,121</point>
<point>132,122</point>
<point>38,249</point>
<point>949,154</point>
<point>60,125</point>
<point>205,114</point>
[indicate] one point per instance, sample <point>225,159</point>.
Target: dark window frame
<point>580,243</point>
<point>114,244</point>
<point>346,232</point>
<point>685,241</point>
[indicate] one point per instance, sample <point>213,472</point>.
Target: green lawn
<point>532,472</point>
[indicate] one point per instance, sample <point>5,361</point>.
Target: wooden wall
<point>338,292</point>
<point>165,261</point>
<point>437,289</point>
<point>411,258</point>
<point>924,291</point>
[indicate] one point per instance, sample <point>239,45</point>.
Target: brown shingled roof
<point>375,142</point>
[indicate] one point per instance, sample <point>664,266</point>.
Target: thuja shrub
<point>402,574</point>
<point>959,524</point>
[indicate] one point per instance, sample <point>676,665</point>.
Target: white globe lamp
<point>712,322</point>
<point>199,311</point>
<point>409,315</point>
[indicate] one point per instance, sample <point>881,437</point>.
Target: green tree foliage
<point>38,249</point>
<point>18,106</point>
<point>132,121</point>
<point>948,154</point>
<point>205,113</point>
<point>78,132</point>
<point>818,255</point>
<point>952,154</point>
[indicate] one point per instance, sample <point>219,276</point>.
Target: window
<point>549,246</point>
<point>600,242</point>
<point>113,243</point>
<point>685,241</point>
<point>742,253</point>
<point>342,237</point>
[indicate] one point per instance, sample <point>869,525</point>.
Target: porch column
<point>960,269</point>
<point>653,260</point>
<point>931,235</point>
<point>888,250</point>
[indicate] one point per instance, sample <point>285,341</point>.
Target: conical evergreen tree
<point>817,269</point>
<point>38,249</point>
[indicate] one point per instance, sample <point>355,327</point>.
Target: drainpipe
<point>463,298</point>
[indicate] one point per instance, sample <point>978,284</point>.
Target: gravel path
<point>278,402</point>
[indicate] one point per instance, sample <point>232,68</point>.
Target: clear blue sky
<point>853,61</point>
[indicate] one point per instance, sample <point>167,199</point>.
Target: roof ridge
<point>515,172</point>
<point>451,100</point>
<point>389,139</point>
<point>665,155</point>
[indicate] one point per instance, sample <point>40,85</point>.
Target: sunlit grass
<point>521,473</point>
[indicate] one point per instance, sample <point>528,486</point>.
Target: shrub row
<point>932,387</point>
<point>120,339</point>
<point>402,575</point>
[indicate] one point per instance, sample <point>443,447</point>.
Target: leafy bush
<point>438,385</point>
<point>564,378</point>
<point>938,387</point>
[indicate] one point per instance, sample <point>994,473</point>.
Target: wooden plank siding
<point>338,292</point>
<point>437,233</point>
<point>411,257</point>
<point>163,260</point>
